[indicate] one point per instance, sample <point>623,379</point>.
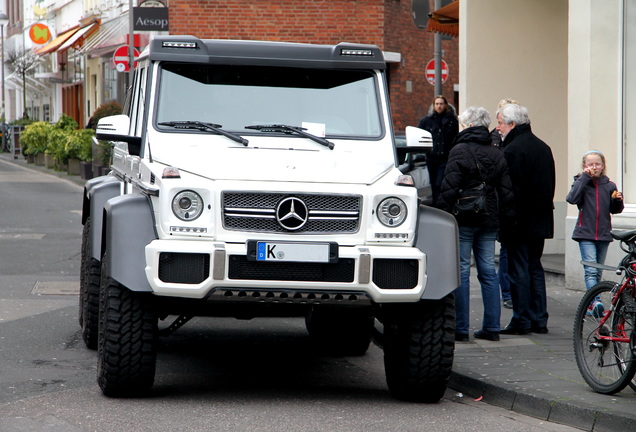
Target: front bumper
<point>193,269</point>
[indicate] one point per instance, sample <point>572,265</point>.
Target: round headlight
<point>187,205</point>
<point>392,212</point>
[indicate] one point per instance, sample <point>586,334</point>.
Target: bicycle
<point>604,336</point>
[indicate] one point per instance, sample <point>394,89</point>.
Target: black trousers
<point>527,284</point>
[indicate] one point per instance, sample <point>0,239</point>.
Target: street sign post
<point>120,57</point>
<point>430,72</point>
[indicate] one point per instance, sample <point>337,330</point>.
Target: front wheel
<point>89,291</point>
<point>128,338</point>
<point>607,366</point>
<point>419,341</point>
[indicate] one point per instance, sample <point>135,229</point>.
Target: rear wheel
<point>341,331</point>
<point>89,291</point>
<point>607,366</point>
<point>419,341</point>
<point>128,337</point>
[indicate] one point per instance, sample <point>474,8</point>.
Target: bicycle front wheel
<point>606,365</point>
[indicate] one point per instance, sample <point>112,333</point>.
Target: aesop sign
<point>150,18</point>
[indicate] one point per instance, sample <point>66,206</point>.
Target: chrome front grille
<point>256,211</point>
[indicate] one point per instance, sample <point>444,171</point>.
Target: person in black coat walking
<point>441,122</point>
<point>532,170</point>
<point>472,161</point>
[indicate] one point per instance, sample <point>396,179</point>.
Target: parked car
<point>413,162</point>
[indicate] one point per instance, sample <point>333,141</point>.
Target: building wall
<point>519,49</point>
<point>595,115</point>
<point>386,23</point>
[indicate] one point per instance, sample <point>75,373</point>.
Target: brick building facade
<point>386,23</point>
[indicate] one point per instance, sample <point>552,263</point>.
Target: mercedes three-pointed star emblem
<point>292,213</point>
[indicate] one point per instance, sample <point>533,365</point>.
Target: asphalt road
<point>212,375</point>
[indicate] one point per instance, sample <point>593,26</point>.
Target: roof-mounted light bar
<point>174,44</point>
<point>356,52</point>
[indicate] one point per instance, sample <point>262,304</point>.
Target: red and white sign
<point>430,72</point>
<point>120,57</point>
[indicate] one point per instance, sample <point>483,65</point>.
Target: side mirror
<point>418,140</point>
<point>116,128</point>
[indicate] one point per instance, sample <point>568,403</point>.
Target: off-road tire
<point>419,342</point>
<point>340,332</point>
<point>128,338</point>
<point>89,291</point>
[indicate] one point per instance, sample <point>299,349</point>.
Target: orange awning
<point>77,40</point>
<point>57,42</point>
<point>445,20</point>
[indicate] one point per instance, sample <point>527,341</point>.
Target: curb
<point>540,405</point>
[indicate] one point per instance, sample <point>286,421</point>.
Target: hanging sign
<point>39,33</point>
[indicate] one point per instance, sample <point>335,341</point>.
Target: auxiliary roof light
<point>174,44</point>
<point>356,52</point>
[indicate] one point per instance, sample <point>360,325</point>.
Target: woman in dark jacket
<point>474,159</point>
<point>596,197</point>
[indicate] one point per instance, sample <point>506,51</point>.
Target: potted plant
<point>102,151</point>
<point>78,149</point>
<point>34,140</point>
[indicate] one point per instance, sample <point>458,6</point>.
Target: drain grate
<point>56,288</point>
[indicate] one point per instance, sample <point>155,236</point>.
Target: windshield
<point>343,102</point>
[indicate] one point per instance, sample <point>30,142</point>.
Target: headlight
<point>187,205</point>
<point>392,212</point>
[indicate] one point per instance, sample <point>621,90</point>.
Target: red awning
<point>445,20</point>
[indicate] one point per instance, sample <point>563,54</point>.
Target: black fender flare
<point>438,238</point>
<point>128,228</point>
<point>96,192</point>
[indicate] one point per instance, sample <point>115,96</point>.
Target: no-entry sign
<point>430,72</point>
<point>120,57</point>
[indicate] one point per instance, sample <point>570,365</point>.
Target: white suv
<point>261,179</point>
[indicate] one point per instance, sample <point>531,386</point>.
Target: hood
<point>298,160</point>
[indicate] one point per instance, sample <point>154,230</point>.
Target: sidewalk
<point>536,375</point>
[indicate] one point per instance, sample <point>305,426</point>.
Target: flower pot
<point>86,170</point>
<point>73,167</point>
<point>104,170</point>
<point>39,159</point>
<point>30,158</point>
<point>49,162</point>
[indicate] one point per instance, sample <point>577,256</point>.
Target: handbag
<point>472,200</point>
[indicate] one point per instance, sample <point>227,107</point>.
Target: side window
<point>137,103</point>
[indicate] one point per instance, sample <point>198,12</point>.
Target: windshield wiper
<point>292,129</point>
<point>203,126</point>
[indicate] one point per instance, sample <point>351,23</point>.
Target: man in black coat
<point>442,123</point>
<point>532,171</point>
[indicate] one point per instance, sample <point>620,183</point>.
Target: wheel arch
<point>96,192</point>
<point>436,228</point>
<point>128,226</point>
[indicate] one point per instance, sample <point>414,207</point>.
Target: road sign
<point>430,72</point>
<point>120,57</point>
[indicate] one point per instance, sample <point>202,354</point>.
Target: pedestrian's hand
<point>617,195</point>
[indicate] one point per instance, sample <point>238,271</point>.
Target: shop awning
<point>445,20</point>
<point>56,43</point>
<point>77,40</point>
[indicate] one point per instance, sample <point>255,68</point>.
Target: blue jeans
<point>594,251</point>
<point>504,280</point>
<point>481,241</point>
<point>527,284</point>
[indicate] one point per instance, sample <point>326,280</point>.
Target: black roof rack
<point>261,53</point>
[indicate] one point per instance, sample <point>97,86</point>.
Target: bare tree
<point>23,60</point>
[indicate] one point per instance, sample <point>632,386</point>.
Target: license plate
<point>296,252</point>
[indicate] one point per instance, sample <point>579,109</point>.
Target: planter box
<point>39,159</point>
<point>86,170</point>
<point>73,167</point>
<point>30,158</point>
<point>49,162</point>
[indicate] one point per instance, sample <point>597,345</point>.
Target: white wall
<point>518,49</point>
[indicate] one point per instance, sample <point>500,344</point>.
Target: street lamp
<point>4,19</point>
